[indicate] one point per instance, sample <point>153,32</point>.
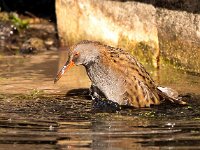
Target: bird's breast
<point>108,81</point>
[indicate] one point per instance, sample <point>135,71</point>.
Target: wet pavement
<point>37,114</point>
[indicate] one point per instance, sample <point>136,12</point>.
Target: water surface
<point>36,114</point>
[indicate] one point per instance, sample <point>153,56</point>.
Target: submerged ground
<point>37,114</point>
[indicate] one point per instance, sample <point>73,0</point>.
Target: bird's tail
<point>169,94</point>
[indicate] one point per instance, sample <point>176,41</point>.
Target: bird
<point>117,75</point>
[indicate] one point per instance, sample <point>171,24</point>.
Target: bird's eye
<point>76,54</point>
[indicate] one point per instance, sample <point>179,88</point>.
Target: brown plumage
<point>117,74</point>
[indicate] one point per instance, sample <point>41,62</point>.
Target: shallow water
<point>36,114</point>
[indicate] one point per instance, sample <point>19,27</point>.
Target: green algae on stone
<point>18,22</point>
<point>182,54</point>
<point>34,94</point>
<point>141,50</point>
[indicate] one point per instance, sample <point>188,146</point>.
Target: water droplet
<point>11,32</point>
<point>171,124</point>
<point>51,128</point>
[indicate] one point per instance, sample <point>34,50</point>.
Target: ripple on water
<point>51,122</point>
<point>58,121</point>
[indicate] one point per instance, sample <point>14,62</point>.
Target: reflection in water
<point>59,121</point>
<point>55,123</point>
<point>22,74</point>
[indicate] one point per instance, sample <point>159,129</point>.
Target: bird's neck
<point>97,72</point>
<point>108,82</point>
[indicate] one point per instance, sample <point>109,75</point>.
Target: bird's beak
<point>66,67</point>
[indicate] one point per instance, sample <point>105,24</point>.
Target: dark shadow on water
<point>98,105</point>
<point>167,109</point>
<point>79,92</point>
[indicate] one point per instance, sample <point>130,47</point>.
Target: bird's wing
<point>129,65</point>
<point>140,89</point>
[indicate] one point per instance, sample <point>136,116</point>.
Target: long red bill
<point>66,67</point>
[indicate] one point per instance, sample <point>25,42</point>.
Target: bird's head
<point>84,53</point>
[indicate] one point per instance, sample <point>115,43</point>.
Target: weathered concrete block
<point>145,28</point>
<point>114,23</point>
<point>179,38</point>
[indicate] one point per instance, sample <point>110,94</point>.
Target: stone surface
<point>145,28</point>
<point>122,25</point>
<point>32,46</point>
<point>179,38</point>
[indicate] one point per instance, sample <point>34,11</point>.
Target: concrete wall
<point>145,28</point>
<point>179,38</point>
